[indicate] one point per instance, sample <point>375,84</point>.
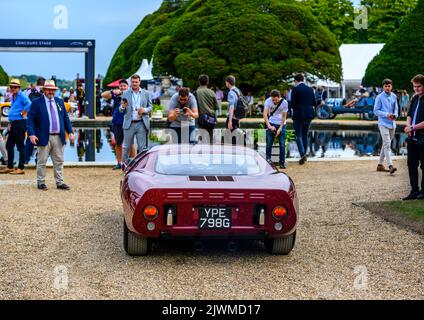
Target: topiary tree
<point>402,56</point>
<point>337,16</point>
<point>261,42</point>
<point>385,17</point>
<point>4,78</point>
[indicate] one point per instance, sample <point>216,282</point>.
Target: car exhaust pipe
<point>170,218</point>
<point>232,246</point>
<point>198,246</point>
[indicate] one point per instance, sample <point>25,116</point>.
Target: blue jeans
<point>301,130</point>
<point>191,132</point>
<point>270,138</point>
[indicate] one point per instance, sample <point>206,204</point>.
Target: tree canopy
<point>4,78</point>
<point>384,18</point>
<point>402,56</point>
<point>260,42</point>
<point>336,15</point>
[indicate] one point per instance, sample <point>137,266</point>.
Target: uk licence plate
<point>213,218</point>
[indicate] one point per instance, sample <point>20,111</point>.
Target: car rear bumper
<point>186,224</point>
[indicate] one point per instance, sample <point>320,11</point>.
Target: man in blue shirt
<point>386,108</point>
<point>20,105</point>
<point>233,95</point>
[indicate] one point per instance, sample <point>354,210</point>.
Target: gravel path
<point>342,251</point>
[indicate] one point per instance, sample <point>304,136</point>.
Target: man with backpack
<point>208,104</point>
<point>275,116</point>
<point>237,104</point>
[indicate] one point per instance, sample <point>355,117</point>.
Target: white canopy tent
<point>145,70</point>
<point>355,60</point>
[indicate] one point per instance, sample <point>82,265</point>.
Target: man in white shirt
<point>275,116</point>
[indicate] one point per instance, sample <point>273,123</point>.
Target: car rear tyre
<point>281,246</point>
<point>135,245</point>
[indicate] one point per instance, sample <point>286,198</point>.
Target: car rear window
<point>208,164</point>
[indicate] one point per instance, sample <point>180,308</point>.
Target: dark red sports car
<point>203,192</point>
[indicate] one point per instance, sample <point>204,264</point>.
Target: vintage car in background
<point>337,106</point>
<point>207,192</point>
<point>5,108</point>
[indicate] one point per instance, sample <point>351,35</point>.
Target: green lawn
<point>411,209</point>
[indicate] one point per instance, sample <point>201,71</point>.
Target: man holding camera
<point>136,107</point>
<point>275,116</point>
<point>182,114</point>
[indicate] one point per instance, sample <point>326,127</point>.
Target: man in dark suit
<point>303,103</point>
<point>48,123</point>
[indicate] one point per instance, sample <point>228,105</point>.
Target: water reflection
<point>98,145</point>
<point>343,144</point>
<point>91,145</point>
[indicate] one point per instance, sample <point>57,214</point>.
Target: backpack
<point>242,106</point>
<point>34,95</point>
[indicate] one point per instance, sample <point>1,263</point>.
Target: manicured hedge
<point>261,42</point>
<point>403,55</point>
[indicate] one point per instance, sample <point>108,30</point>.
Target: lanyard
<point>136,100</point>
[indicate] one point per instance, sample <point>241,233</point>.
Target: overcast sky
<point>109,22</point>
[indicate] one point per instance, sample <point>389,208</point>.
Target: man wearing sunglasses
<point>20,105</point>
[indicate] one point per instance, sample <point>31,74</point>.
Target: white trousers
<point>387,135</point>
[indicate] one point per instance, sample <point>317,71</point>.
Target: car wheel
<point>369,115</point>
<point>281,246</point>
<point>135,245</point>
<point>5,111</point>
<point>324,112</point>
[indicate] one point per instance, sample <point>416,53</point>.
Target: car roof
<point>204,148</point>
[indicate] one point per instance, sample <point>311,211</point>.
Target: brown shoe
<point>6,171</point>
<point>17,172</point>
<point>303,160</point>
<point>392,170</point>
<point>381,168</point>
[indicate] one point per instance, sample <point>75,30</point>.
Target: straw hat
<point>49,84</point>
<point>15,83</point>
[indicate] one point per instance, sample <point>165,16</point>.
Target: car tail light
<point>279,213</point>
<point>150,212</point>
